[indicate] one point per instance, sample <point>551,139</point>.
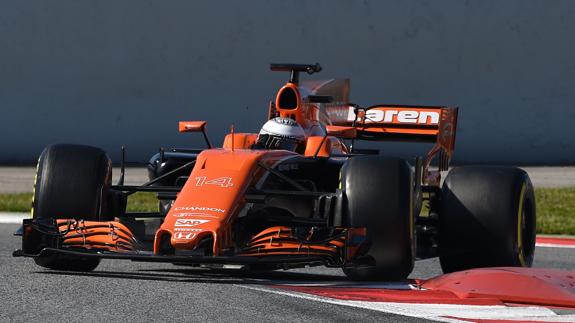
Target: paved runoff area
<point>21,179</point>
<point>130,291</point>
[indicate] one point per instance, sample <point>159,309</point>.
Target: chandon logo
<point>191,214</point>
<point>198,208</point>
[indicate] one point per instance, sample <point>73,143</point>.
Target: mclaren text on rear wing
<point>433,124</point>
<point>387,122</point>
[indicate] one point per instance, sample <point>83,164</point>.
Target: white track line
<point>554,245</point>
<point>437,312</point>
<point>350,284</point>
<point>12,217</point>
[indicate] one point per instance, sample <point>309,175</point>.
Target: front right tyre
<point>378,196</point>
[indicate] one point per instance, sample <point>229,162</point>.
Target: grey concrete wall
<point>112,73</point>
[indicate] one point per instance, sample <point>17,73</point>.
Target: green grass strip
<point>555,210</point>
<point>19,202</point>
<point>143,202</point>
<point>555,207</point>
<point>22,202</point>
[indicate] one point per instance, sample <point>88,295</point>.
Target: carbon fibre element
<point>283,260</point>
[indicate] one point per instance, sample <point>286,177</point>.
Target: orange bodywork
<point>239,140</point>
<point>191,126</point>
<point>214,192</point>
<point>346,132</point>
<point>281,241</point>
<point>307,115</point>
<point>212,196</point>
<point>109,236</point>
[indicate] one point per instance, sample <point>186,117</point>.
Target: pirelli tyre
<point>378,196</point>
<point>487,218</point>
<point>72,182</point>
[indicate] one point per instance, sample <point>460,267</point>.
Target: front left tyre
<point>72,182</point>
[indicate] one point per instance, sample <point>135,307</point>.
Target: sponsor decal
<point>220,181</point>
<point>189,222</point>
<point>199,208</point>
<point>188,230</point>
<point>190,215</point>
<point>184,235</point>
<point>397,116</point>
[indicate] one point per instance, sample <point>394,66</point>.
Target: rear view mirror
<point>195,126</point>
<point>191,126</point>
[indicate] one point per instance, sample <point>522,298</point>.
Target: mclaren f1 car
<point>298,193</point>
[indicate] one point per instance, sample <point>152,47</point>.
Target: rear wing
<point>432,124</point>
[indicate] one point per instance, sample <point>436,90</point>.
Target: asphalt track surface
<point>130,291</point>
<point>124,290</point>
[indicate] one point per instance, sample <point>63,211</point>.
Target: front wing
<point>112,240</point>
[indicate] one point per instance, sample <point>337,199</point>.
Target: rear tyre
<point>72,182</point>
<point>378,196</point>
<point>487,218</point>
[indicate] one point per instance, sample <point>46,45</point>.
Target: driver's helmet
<point>281,133</point>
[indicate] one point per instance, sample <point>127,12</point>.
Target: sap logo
<point>189,223</point>
<point>398,116</point>
<point>184,235</point>
<point>185,215</point>
<point>198,208</point>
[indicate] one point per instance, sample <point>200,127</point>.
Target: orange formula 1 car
<point>299,193</point>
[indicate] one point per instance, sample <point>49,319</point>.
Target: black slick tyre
<point>72,182</point>
<point>378,196</point>
<point>487,218</point>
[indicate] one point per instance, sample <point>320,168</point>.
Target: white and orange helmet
<point>281,133</point>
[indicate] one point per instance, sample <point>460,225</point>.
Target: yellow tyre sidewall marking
<point>34,187</point>
<point>411,215</point>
